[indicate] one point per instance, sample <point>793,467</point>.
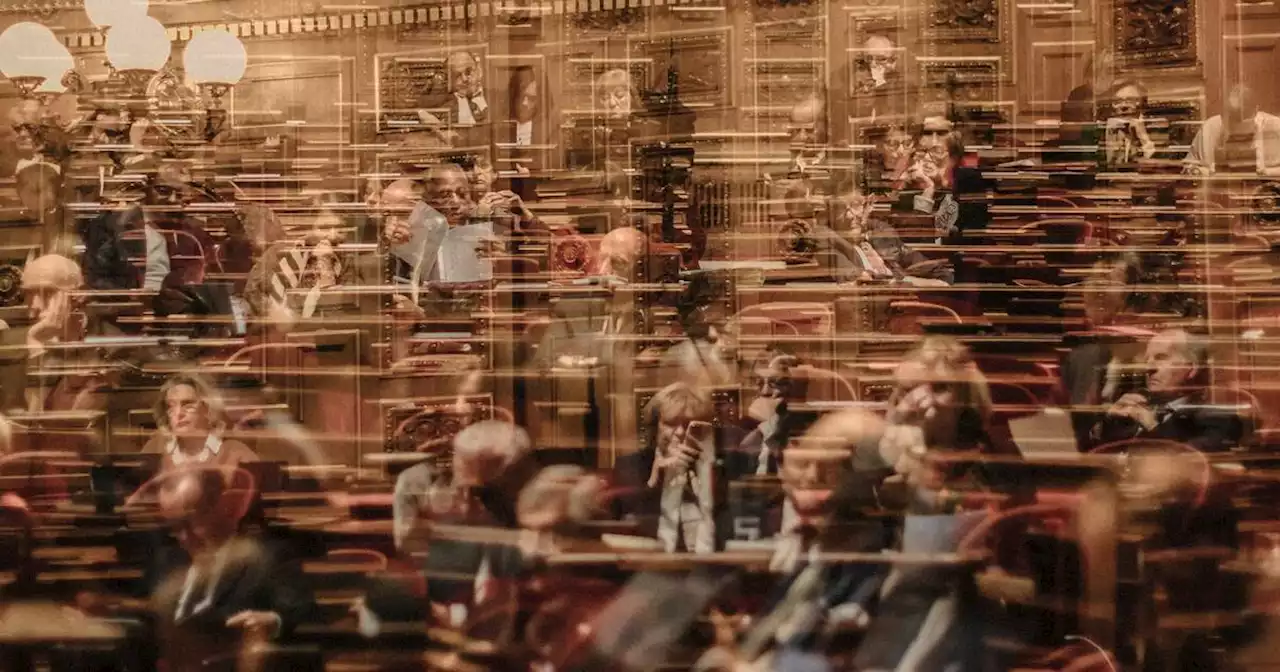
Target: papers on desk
<point>427,229</point>
<point>458,258</point>
<point>750,264</point>
<point>437,252</point>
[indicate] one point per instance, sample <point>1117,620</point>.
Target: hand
<point>763,408</point>
<point>396,231</point>
<point>51,323</point>
<point>490,247</point>
<point>1135,407</point>
<point>918,179</point>
<point>264,624</point>
<point>680,456</point>
<point>405,312</point>
<point>848,614</point>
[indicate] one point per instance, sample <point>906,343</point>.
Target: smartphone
<point>700,432</point>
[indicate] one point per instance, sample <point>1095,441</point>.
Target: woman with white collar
<point>191,419</point>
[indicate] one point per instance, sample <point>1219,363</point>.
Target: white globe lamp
<point>107,13</point>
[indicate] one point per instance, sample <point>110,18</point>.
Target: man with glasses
<point>466,81</point>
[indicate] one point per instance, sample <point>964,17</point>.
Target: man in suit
<point>811,598</point>
<point>466,79</point>
<point>217,591</point>
<point>1175,405</point>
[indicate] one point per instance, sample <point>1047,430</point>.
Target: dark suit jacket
<point>1205,427</point>
<point>254,577</point>
<point>638,500</point>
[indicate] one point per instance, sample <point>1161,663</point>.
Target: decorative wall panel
<point>964,20</point>
<point>1155,33</point>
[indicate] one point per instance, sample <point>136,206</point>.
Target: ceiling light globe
<point>215,57</point>
<point>107,13</point>
<point>26,49</point>
<point>140,44</point>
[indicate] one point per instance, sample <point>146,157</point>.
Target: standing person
<point>191,421</point>
<point>217,593</point>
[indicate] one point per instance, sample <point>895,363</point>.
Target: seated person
<point>937,183</point>
<point>769,422</point>
<point>191,421</point>
<point>217,591</point>
<point>50,283</point>
<point>1088,374</point>
<point>468,582</point>
<point>868,249</point>
<point>1174,404</point>
<point>812,598</point>
<point>1242,139</point>
<point>672,481</point>
<point>418,241</point>
<point>940,403</point>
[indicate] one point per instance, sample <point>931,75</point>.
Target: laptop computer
<point>1047,433</point>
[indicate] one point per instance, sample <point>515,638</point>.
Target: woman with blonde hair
<point>191,420</point>
<point>671,480</point>
<point>941,402</point>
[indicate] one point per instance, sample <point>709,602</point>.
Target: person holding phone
<point>670,485</point>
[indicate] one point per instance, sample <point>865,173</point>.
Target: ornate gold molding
<point>393,18</point>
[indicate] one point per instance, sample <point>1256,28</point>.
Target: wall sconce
<point>33,59</point>
<point>137,50</point>
<point>215,60</point>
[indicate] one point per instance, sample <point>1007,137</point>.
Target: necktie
<point>478,113</point>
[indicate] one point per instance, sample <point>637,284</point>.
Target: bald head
<point>1241,105</point>
<point>809,122</point>
<point>402,193</point>
<point>54,271</point>
<point>189,501</point>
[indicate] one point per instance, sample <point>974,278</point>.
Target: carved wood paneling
<point>702,59</point>
<point>1050,70</point>
<point>1252,9</point>
<point>1253,59</point>
<point>315,92</point>
<point>1060,13</point>
<point>964,20</point>
<point>1155,33</point>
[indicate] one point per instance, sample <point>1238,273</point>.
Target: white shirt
<point>1266,142</point>
<point>38,161</point>
<point>184,608</point>
<point>212,446</point>
<point>465,116</point>
<point>695,518</point>
<point>524,133</point>
<point>157,268</point>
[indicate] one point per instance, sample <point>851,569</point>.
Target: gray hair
<point>492,438</point>
<point>1195,347</point>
